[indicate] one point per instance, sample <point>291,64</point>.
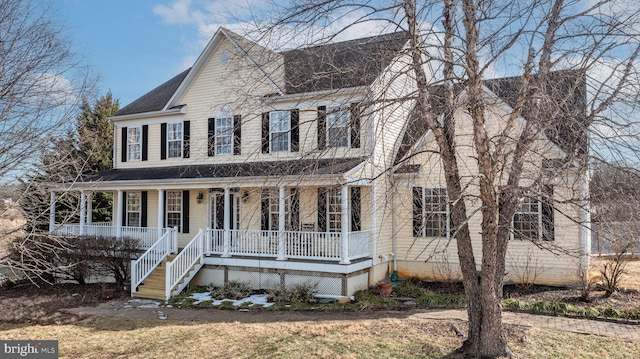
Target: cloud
<point>177,13</point>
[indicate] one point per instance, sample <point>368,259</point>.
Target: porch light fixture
<point>200,197</point>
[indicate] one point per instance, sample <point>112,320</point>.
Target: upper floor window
<point>134,143</point>
<point>224,136</point>
<point>279,136</point>
<point>431,216</point>
<point>224,132</point>
<point>174,140</point>
<point>338,134</point>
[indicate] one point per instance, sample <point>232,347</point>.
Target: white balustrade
<point>149,260</point>
<point>180,266</point>
<point>147,235</point>
<point>359,245</point>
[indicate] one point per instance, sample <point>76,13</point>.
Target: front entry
<point>217,210</point>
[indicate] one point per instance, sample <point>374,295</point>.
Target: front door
<point>217,210</point>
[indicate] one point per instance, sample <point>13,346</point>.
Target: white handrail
<point>142,267</point>
<point>146,235</point>
<point>184,262</point>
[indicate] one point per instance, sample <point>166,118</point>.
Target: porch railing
<point>297,244</point>
<point>147,235</point>
<point>184,262</point>
<point>142,267</point>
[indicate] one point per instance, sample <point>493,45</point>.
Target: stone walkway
<point>582,326</point>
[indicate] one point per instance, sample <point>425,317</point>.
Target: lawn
<point>112,337</point>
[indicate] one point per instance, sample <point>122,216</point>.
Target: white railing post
<point>167,276</point>
<point>174,240</point>
<point>207,243</point>
<point>344,230</point>
<point>134,275</point>
<point>160,210</point>
<point>282,245</point>
<point>83,211</point>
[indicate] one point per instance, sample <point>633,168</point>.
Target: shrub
<point>232,290</point>
<point>304,292</point>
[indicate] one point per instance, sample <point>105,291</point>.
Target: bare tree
<point>454,48</point>
<point>42,84</point>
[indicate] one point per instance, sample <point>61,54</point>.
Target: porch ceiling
<point>225,172</point>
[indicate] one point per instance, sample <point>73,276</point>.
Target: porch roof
<point>304,167</point>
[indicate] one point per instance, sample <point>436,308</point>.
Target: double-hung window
<point>528,220</point>
<point>174,140</point>
<point>431,216</point>
<point>338,134</point>
<point>274,209</point>
<point>174,209</point>
<point>280,126</point>
<point>224,136</point>
<point>134,209</point>
<point>134,143</point>
<point>334,209</point>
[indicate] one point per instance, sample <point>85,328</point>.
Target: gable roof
<point>156,99</point>
<point>565,106</point>
<point>332,66</point>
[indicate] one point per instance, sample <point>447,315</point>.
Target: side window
<point>430,212</point>
<point>338,134</point>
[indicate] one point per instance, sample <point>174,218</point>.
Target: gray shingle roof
<point>156,99</point>
<point>340,65</point>
<point>274,169</point>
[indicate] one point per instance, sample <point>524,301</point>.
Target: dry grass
<point>111,337</point>
<point>631,278</point>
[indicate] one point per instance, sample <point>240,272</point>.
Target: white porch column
<point>160,212</point>
<point>344,226</point>
<point>282,245</point>
<point>52,212</point>
<point>89,208</point>
<point>119,213</point>
<point>83,211</point>
<point>227,223</point>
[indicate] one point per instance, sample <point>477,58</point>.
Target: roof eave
<point>161,113</point>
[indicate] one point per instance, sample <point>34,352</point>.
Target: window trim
<point>332,112</point>
<point>179,203</point>
<point>274,209</point>
<point>130,143</point>
<point>133,195</point>
<point>230,135</point>
<point>424,212</point>
<point>286,133</point>
<point>334,226</point>
<point>169,140</point>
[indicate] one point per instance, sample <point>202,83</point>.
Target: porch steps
<point>154,286</point>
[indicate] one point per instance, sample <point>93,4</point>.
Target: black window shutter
<point>211,137</point>
<point>355,125</point>
<point>295,130</point>
<point>264,203</point>
<point>322,209</point>
<point>145,141</point>
<point>548,232</point>
<point>163,141</point>
<point>185,211</point>
<point>186,139</point>
<point>123,205</point>
<point>322,127</point>
<point>356,224</point>
<point>237,132</point>
<point>124,144</point>
<point>265,132</point>
<point>295,210</point>
<point>417,212</point>
<point>143,209</point>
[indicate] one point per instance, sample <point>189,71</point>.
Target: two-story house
<point>283,167</point>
